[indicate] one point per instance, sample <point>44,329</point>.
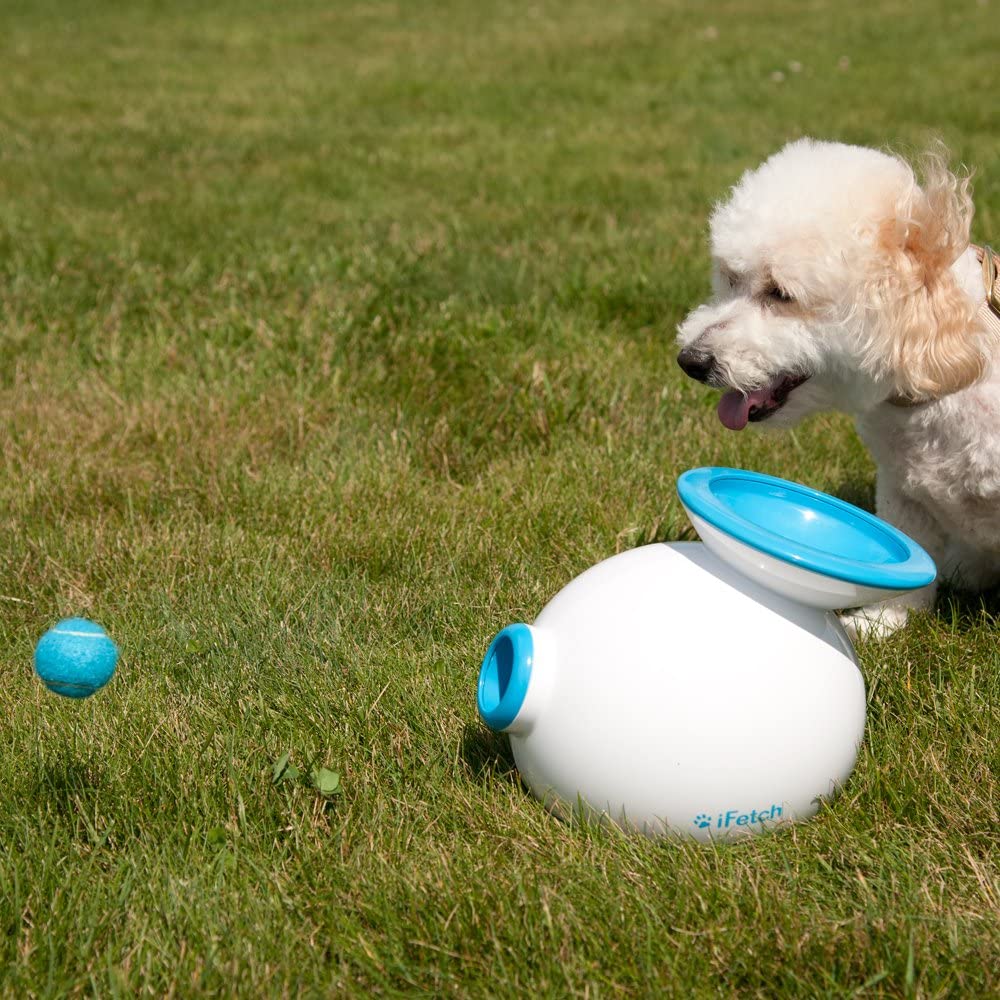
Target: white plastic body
<point>675,696</point>
<point>794,582</point>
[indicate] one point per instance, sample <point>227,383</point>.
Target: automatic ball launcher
<point>703,689</point>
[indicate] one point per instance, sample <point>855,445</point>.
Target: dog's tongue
<point>734,407</point>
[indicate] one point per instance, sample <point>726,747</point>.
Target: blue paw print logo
<point>702,820</point>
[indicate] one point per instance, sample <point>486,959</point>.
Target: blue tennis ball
<point>75,658</point>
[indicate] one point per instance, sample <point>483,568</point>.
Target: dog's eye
<point>777,294</point>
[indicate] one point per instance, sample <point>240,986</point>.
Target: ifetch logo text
<point>733,817</point>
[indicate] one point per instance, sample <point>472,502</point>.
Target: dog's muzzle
<point>697,364</point>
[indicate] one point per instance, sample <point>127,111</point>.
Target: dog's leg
<point>876,621</point>
<point>882,619</point>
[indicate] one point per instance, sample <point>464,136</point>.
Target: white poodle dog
<point>844,282</point>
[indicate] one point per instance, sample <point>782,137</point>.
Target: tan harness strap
<point>989,311</point>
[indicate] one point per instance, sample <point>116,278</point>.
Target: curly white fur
<point>836,264</point>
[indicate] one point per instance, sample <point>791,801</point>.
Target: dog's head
<point>833,287</point>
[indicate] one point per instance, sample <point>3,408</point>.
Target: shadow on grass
<point>487,753</point>
<point>966,610</point>
<point>860,492</point>
<point>68,783</point>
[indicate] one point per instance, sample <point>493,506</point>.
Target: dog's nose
<point>696,363</point>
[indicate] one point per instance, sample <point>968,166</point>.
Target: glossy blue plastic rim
<point>504,676</point>
<point>847,543</point>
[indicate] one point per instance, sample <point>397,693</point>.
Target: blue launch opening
<point>504,676</point>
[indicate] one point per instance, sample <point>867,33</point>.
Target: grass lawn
<point>335,336</point>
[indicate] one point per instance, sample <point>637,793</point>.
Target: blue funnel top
<point>807,528</point>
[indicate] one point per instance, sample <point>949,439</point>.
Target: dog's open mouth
<point>737,408</point>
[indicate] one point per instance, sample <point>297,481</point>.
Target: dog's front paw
<point>877,621</point>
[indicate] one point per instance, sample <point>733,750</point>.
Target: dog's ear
<point>929,325</point>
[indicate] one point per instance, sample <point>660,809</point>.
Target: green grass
<point>333,338</point>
